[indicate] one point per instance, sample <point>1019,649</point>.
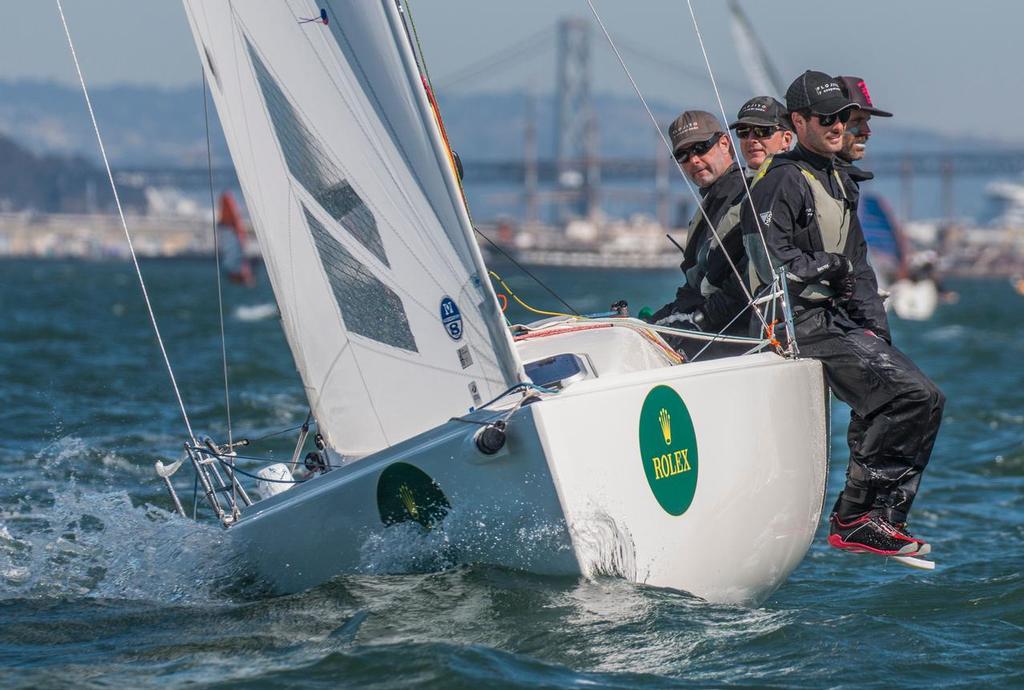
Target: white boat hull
<point>759,488</point>
<point>576,490</point>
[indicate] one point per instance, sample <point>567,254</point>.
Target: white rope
<point>725,118</point>
<point>124,224</point>
<point>668,146</point>
<point>216,253</point>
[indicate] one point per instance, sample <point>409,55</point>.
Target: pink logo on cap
<point>864,92</point>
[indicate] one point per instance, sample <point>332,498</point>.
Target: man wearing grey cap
<point>711,296</point>
<point>762,126</point>
<point>807,212</point>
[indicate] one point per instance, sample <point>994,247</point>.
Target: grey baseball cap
<point>691,127</point>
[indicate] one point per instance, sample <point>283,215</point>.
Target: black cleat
<point>874,534</point>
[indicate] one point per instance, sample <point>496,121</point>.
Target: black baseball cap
<point>762,111</point>
<point>691,127</point>
<point>857,91</point>
<point>817,92</point>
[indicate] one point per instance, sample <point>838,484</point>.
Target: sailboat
<point>913,295</point>
<point>569,446</point>
<point>233,243</point>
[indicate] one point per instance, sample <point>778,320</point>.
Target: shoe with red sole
<point>874,534</point>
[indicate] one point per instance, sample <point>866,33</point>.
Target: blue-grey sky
<point>943,65</point>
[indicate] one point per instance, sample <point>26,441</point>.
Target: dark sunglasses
<point>829,120</point>
<point>698,149</point>
<point>757,132</point>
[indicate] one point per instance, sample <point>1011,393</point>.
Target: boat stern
<point>707,478</point>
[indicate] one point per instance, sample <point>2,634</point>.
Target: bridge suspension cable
<point>677,68</point>
<point>500,60</point>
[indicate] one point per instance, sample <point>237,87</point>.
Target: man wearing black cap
<point>711,296</point>
<point>807,212</point>
<point>855,139</point>
<point>762,126</point>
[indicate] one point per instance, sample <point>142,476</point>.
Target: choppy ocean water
<point>101,587</point>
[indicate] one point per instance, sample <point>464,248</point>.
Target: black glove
<point>687,320</point>
<point>838,267</point>
<point>839,274</point>
<point>844,288</point>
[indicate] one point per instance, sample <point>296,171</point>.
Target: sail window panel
<point>313,168</point>
<point>361,33</point>
<point>368,306</point>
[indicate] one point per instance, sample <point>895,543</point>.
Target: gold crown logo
<point>405,493</point>
<point>665,420</point>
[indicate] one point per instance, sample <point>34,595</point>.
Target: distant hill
<point>56,183</point>
<point>150,126</point>
<point>141,126</point>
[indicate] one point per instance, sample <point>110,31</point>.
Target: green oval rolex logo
<point>405,492</point>
<point>668,449</point>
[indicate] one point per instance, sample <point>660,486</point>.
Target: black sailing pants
<point>896,412</point>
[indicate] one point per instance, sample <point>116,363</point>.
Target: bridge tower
<point>575,128</point>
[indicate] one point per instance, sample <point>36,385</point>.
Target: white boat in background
<point>569,446</point>
<point>1004,207</point>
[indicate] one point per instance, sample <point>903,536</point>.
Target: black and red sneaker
<point>925,547</point>
<point>874,534</point>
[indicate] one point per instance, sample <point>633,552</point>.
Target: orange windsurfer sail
<point>233,242</point>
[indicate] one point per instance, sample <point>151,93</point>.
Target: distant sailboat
<point>233,243</point>
<point>911,297</point>
<point>569,446</point>
<point>886,244</point>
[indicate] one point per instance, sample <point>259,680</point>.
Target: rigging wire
<point>721,108</point>
<point>124,223</point>
<point>421,60</point>
<point>309,417</point>
<point>689,186</point>
<point>527,272</point>
<point>502,58</point>
<point>216,253</point>
<point>676,68</point>
<point>523,304</point>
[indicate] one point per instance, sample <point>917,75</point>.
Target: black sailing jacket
<point>785,205</point>
<point>720,307</point>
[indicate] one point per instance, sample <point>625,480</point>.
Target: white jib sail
<point>384,297</point>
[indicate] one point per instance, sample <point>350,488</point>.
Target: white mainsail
<point>384,298</point>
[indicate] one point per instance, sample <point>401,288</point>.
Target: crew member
<point>855,138</point>
<point>762,126</point>
<point>807,213</point>
<point>711,298</point>
<point>858,131</point>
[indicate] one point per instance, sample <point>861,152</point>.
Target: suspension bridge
<point>572,174</point>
